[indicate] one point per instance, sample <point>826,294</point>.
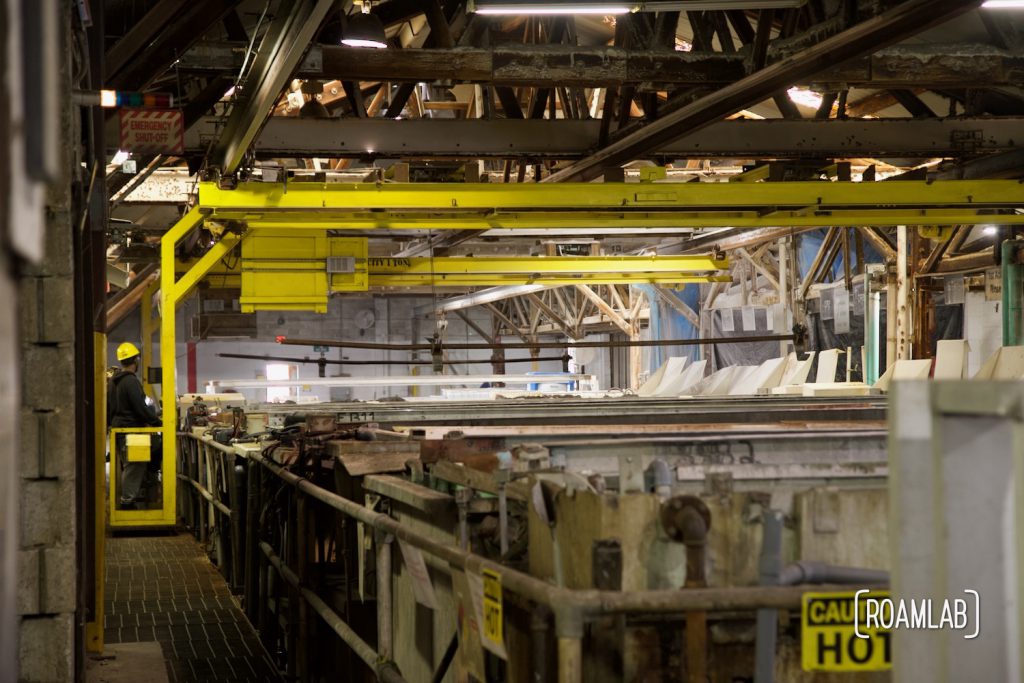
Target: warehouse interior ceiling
<point>827,91</point>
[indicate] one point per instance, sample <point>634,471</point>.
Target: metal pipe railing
<point>571,607</point>
<point>385,670</point>
<point>587,602</point>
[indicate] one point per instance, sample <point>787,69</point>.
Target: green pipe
<point>872,325</point>
<point>1013,297</point>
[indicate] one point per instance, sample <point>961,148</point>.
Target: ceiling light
<point>989,229</point>
<point>620,7</point>
<point>807,98</point>
<point>364,30</point>
<point>552,8</point>
<point>1003,4</point>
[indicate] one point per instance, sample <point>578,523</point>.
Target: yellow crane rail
<point>481,206</point>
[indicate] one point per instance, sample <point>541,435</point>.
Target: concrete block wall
<point>46,457</point>
<point>47,554</point>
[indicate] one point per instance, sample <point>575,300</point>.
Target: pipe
<point>539,638</point>
<point>251,515</point>
<point>503,519</point>
<point>326,361</point>
<point>806,571</point>
<point>384,629</point>
<point>662,477</point>
<point>207,495</point>
<point>768,619</point>
<point>536,345</point>
<point>462,498</point>
<point>385,670</point>
<point>238,494</point>
<point>584,603</point>
<point>570,659</point>
<point>1013,300</point>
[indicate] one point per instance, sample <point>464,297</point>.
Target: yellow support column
<point>168,356</point>
<point>172,291</point>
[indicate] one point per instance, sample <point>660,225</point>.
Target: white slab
<point>648,387</point>
<point>797,371</point>
<point>903,370</point>
<point>767,375</point>
<point>837,389</point>
<point>828,361</point>
<point>1006,363</point>
<point>718,383</point>
<point>673,369</point>
<point>689,377</point>
<point>951,359</point>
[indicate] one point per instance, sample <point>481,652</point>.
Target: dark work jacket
<point>126,403</point>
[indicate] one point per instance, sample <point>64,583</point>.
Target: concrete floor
<point>127,663</point>
<point>165,598</point>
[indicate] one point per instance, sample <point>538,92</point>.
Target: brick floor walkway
<point>163,589</point>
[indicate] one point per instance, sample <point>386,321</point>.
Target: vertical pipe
<point>539,638</point>
<point>872,334</point>
<point>190,365</point>
<point>302,551</point>
<point>503,518</point>
<point>768,619</point>
<point>1013,298</point>
<point>903,319</point>
<point>249,553</point>
<point>784,290</point>
<point>384,631</point>
<point>203,505</point>
<point>147,326</point>
<point>570,659</point>
<point>238,500</point>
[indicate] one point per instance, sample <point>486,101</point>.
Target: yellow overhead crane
<point>299,269</point>
<point>482,206</point>
<point>287,214</point>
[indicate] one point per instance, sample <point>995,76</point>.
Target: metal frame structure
<point>162,517</point>
<point>335,206</point>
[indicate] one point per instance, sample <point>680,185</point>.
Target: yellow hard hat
<point>127,350</point>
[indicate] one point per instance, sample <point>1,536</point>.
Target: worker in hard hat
<point>127,407</point>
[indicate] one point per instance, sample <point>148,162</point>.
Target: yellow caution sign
<point>829,634</point>
<point>492,607</point>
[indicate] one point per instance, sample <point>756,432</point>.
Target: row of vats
<point>679,518</point>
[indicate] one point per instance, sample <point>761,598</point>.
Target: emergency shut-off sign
<point>159,131</point>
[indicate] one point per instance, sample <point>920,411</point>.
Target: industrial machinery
<point>658,542</point>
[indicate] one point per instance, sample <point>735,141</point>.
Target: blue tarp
<point>667,323</point>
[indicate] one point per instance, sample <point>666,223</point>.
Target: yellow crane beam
<point>482,206</point>
<point>481,271</point>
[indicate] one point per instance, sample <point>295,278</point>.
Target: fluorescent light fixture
<point>517,8</point>
<point>989,229</point>
<point>1003,4</point>
<point>619,7</point>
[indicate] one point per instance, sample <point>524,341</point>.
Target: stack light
<point>145,100</point>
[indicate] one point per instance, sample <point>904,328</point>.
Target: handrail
<point>574,604</point>
<point>571,607</point>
